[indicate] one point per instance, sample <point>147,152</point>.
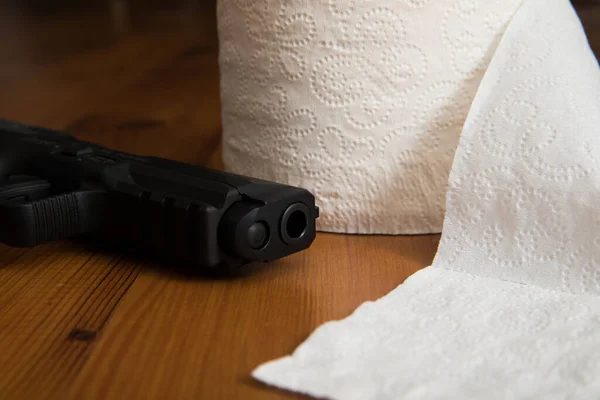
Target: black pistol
<point>54,186</point>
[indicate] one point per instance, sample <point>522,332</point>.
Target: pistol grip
<point>45,220</point>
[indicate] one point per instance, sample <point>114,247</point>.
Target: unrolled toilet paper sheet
<point>510,308</point>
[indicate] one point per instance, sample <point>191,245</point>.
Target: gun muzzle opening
<point>294,223</point>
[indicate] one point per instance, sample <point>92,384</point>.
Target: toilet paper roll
<point>510,307</point>
<point>386,108</point>
<point>361,102</point>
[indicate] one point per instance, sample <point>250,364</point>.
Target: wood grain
<point>201,339</point>
<point>54,300</point>
<point>84,323</point>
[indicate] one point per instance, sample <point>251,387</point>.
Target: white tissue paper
<point>402,115</point>
<point>360,102</point>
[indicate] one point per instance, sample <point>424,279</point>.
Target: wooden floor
<point>75,323</point>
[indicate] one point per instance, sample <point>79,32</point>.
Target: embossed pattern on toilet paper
<point>450,335</point>
<point>510,308</point>
<point>524,192</point>
<point>361,102</point>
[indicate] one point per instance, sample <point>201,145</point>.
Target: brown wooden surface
<point>79,323</point>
